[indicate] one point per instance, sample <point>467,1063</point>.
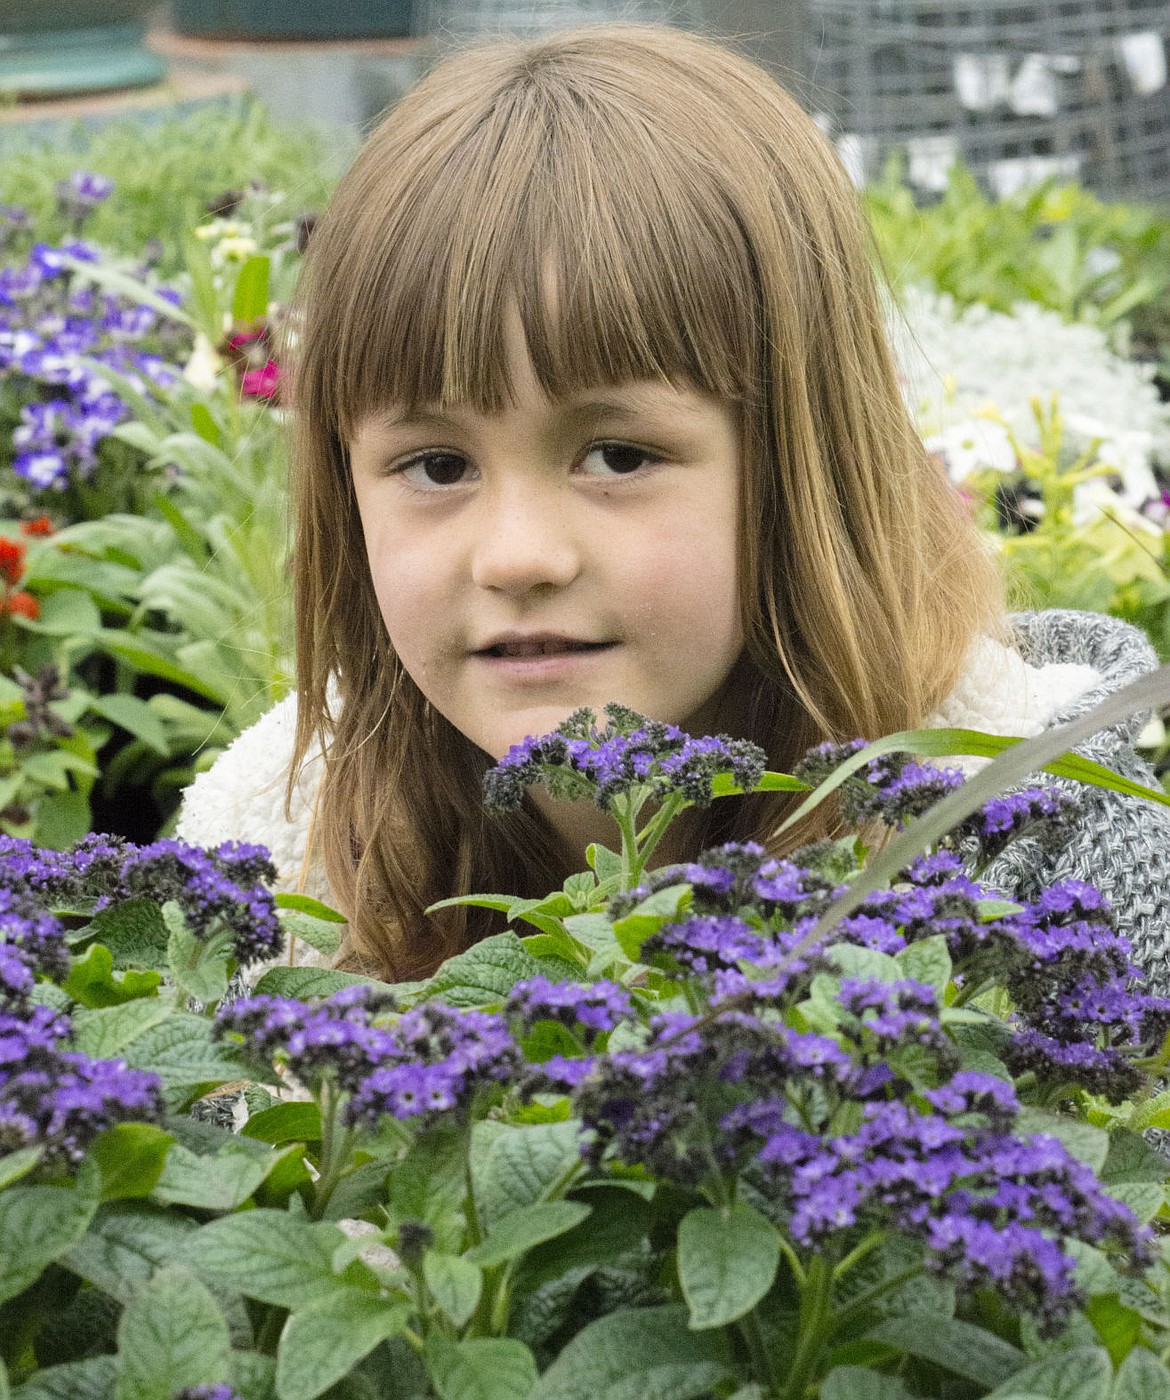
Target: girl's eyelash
<point>420,458</point>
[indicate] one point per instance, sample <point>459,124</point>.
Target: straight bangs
<point>625,260</point>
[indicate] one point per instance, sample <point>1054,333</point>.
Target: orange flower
<point>41,525</point>
<point>11,560</point>
<point>23,604</point>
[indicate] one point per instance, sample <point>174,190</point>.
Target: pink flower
<point>261,383</point>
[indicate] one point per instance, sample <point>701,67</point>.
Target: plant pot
<point>293,19</point>
<point>56,48</point>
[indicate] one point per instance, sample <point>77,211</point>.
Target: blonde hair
<point>697,228</point>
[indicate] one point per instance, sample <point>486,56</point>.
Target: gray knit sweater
<point>1120,844</point>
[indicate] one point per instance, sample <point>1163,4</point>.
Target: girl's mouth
<point>526,648</point>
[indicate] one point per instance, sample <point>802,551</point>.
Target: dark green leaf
<point>1141,1377</point>
<point>1132,1159</point>
<point>131,1158</point>
<point>251,1375</point>
<point>1084,1373</point>
<point>1089,1144</point>
<point>306,983</point>
<point>269,1255</point>
<point>927,961</point>
<point>524,1164</point>
<point>320,934</point>
<point>125,1244</point>
<point>321,1344</point>
<point>860,1383</point>
<point>485,1368</point>
<point>645,1352</point>
<point>172,1335</point>
<point>92,1379</point>
<point>38,1224</point>
<point>455,1283</point>
<point>285,1122</point>
<point>198,965</point>
<point>136,717</point>
<point>106,1032</point>
<point>726,1262</point>
<point>134,932</point>
<point>221,1183</point>
<point>181,1052</point>
<point>523,1229</point>
<point>961,1347</point>
<point>485,974</point>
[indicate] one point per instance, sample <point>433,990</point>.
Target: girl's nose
<point>525,540</point>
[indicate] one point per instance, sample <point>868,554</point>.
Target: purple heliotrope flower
<point>578,760</point>
<point>590,1010</point>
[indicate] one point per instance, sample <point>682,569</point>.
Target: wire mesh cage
<point>458,21</point>
<point>1018,91</point>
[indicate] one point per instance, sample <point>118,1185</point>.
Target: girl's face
<point>556,555</point>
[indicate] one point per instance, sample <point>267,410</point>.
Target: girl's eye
<point>432,469</point>
<point>616,459</point>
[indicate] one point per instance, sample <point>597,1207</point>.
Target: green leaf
<point>455,1283</point>
<point>1131,1159</point>
<point>181,1052</point>
<point>320,934</point>
<point>1118,1327</point>
<point>269,1255</point>
<point>860,1383</point>
<point>125,1244</point>
<point>38,1224</point>
<point>1141,1377</point>
<point>525,1228</point>
<point>927,961</point>
<point>485,1368</point>
<point>134,931</point>
<point>305,904</point>
<point>726,1262</point>
<point>1084,1373</point>
<point>605,864</point>
<point>105,1033</point>
<point>285,1122</point>
<point>198,965</point>
<point>221,1183</point>
<point>68,612</point>
<point>63,818</point>
<point>131,1158</point>
<point>251,1375</point>
<point>1089,1144</point>
<point>172,1335</point>
<point>430,1183</point>
<point>305,983</point>
<point>14,1165</point>
<point>485,974</point>
<point>321,1344</point>
<point>649,1353</point>
<point>647,917</point>
<point>92,1379</point>
<point>961,1347</point>
<point>250,299</point>
<point>93,982</point>
<point>524,1164</point>
<point>136,717</point>
<point>205,425</point>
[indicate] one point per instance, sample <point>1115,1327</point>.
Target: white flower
<point>238,248</point>
<point>1094,499</point>
<point>975,443</point>
<point>204,365</point>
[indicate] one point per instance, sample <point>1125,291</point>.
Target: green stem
<point>336,1140</point>
<point>866,1246</point>
<point>656,827</point>
<point>812,1327</point>
<point>867,1299</point>
<point>474,1229</point>
<point>794,1263</point>
<point>631,869</point>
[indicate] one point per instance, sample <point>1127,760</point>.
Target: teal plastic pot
<point>55,48</point>
<point>293,19</point>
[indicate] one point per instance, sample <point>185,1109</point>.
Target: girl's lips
<point>550,662</point>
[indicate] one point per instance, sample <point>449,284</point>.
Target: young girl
<point>594,404</point>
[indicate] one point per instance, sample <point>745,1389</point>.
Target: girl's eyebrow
<point>639,404</point>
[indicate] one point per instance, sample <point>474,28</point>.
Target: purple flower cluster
<point>432,1059</point>
<point>54,338</point>
<point>60,1100</point>
<point>578,760</point>
<point>206,1392</point>
<point>589,1011</point>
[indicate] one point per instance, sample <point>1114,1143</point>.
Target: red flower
<point>262,383</point>
<point>11,560</point>
<point>24,604</point>
<point>41,525</point>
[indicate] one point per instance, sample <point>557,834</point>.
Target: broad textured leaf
<point>136,717</point>
<point>181,1052</point>
<point>430,1184</point>
<point>1084,1373</point>
<point>524,1164</point>
<point>485,1368</point>
<point>14,1165</point>
<point>455,1282</point>
<point>305,983</point>
<point>1141,1377</point>
<point>926,961</point>
<point>860,1383</point>
<point>637,1354</point>
<point>172,1335</point>
<point>961,1347</point>
<point>726,1262</point>
<point>486,973</point>
<point>105,1033</point>
<point>92,1379</point>
<point>523,1229</point>
<point>93,982</point>
<point>38,1224</point>
<point>306,904</point>
<point>321,1344</point>
<point>131,1157</point>
<point>199,965</point>
<point>1131,1159</point>
<point>125,1244</point>
<point>252,1376</point>
<point>269,1255</point>
<point>220,1183</point>
<point>134,931</point>
<point>321,934</point>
